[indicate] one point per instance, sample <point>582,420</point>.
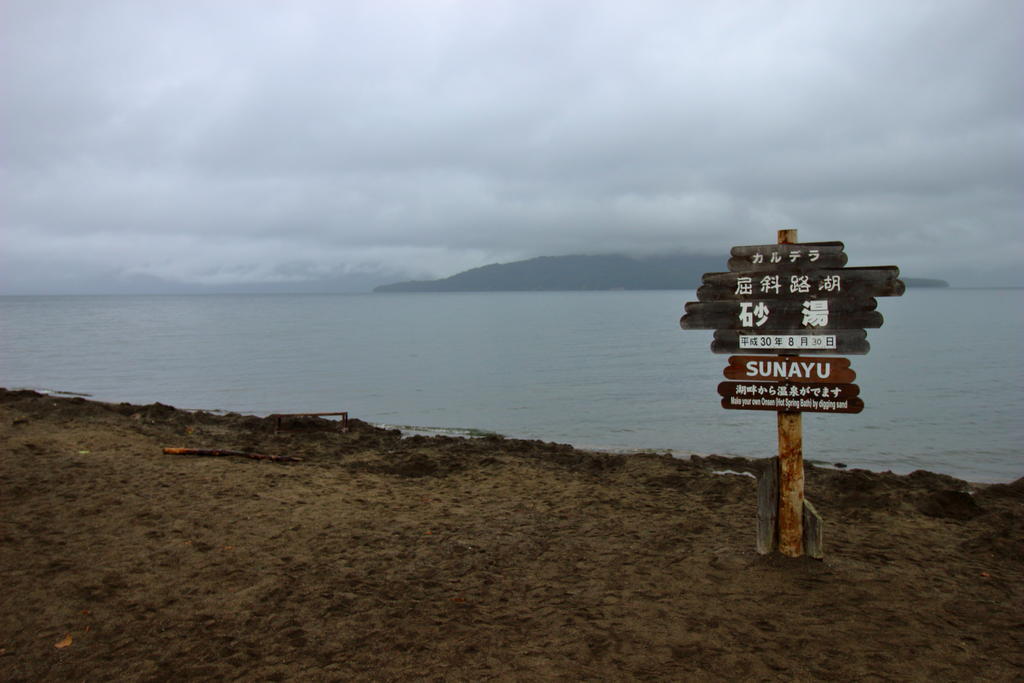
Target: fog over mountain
<point>572,273</point>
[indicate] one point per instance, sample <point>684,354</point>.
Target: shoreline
<point>383,557</point>
<point>847,464</point>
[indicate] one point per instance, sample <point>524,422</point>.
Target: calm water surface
<point>942,384</point>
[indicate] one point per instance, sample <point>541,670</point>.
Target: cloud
<point>213,143</point>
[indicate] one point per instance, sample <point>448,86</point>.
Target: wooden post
<point>812,532</point>
<point>768,508</point>
<point>791,484</point>
<point>791,467</point>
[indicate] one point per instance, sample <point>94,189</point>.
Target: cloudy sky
<point>337,143</point>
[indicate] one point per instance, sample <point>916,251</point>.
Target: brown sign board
<point>813,314</point>
<point>846,342</point>
<point>825,283</point>
<point>790,369</point>
<point>795,398</point>
<point>787,257</point>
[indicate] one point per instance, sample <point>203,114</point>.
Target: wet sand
<point>383,558</point>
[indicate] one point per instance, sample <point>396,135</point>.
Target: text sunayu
<point>788,369</point>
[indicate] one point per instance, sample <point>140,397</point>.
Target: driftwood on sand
<point>221,452</point>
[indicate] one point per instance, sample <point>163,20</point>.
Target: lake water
<point>942,385</point>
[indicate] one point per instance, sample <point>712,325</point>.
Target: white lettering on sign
<point>815,313</point>
<point>830,283</point>
<point>780,403</point>
<point>770,283</point>
<point>788,342</point>
<point>762,389</point>
<point>776,368</point>
<point>777,255</point>
<point>761,313</point>
<point>751,315</point>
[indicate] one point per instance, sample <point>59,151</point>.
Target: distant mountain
<point>924,282</point>
<point>574,273</point>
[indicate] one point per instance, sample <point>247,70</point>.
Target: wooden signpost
<point>790,300</point>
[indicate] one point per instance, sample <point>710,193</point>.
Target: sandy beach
<point>378,557</point>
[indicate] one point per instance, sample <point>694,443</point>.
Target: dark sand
<point>382,558</point>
